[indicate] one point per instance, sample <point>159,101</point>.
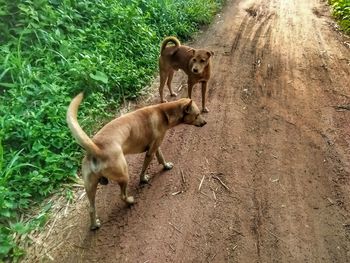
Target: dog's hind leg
<point>170,78</point>
<point>163,74</point>
<point>121,169</point>
<point>90,183</point>
<point>124,193</point>
<point>160,158</point>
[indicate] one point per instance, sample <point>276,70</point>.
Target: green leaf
<point>5,213</point>
<point>99,76</point>
<point>20,228</point>
<point>8,85</point>
<point>5,249</point>
<point>1,156</point>
<point>9,204</point>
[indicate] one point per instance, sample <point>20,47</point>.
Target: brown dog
<point>140,131</point>
<point>194,62</point>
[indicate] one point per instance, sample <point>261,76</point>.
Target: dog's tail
<point>78,133</point>
<point>173,40</point>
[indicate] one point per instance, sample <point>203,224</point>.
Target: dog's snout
<point>195,70</point>
<point>203,123</point>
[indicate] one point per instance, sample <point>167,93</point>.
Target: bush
<point>341,10</point>
<point>53,49</point>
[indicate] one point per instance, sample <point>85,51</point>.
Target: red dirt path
<point>274,137</point>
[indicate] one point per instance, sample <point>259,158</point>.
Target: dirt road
<point>274,155</point>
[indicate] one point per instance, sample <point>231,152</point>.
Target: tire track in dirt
<point>262,166</point>
<point>259,40</point>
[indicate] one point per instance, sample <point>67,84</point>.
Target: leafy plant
<point>341,10</point>
<point>8,205</point>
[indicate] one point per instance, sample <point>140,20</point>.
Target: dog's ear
<point>171,116</point>
<point>210,53</point>
<point>187,108</point>
<point>191,50</point>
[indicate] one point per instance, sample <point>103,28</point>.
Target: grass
<point>52,49</point>
<point>341,11</point>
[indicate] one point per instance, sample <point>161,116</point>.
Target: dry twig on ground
<point>221,182</point>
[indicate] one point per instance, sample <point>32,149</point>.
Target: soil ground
<point>274,155</point>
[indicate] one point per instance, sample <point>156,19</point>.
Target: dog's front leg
<point>189,87</point>
<point>124,193</point>
<point>204,93</point>
<point>144,178</point>
<point>160,158</point>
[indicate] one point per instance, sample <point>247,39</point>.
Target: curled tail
<point>167,40</point>
<point>78,133</point>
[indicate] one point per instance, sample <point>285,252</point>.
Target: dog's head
<point>199,60</point>
<point>192,115</point>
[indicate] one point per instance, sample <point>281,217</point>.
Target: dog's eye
<point>202,60</point>
<point>194,60</point>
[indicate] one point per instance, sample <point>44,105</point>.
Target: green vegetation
<point>341,10</point>
<point>52,49</point>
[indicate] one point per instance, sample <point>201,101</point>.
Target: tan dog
<point>140,131</point>
<point>194,62</point>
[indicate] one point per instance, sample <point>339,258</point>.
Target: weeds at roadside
<point>341,11</point>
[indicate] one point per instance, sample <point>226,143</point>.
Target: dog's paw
<point>130,200</point>
<point>168,166</point>
<point>144,179</point>
<point>174,94</point>
<point>205,110</point>
<point>96,225</point>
